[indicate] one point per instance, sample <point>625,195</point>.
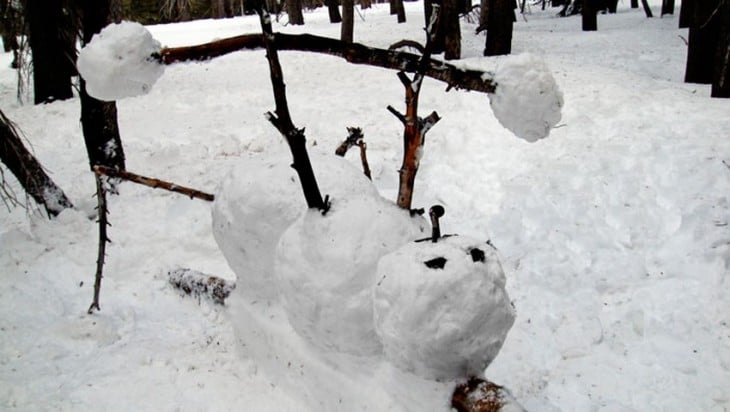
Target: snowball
<point>118,62</point>
<point>442,323</point>
<point>527,101</point>
<point>255,203</point>
<point>325,266</point>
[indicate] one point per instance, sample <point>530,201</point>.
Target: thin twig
<point>153,183</point>
<point>103,240</point>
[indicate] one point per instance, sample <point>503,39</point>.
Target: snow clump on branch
<point>527,101</point>
<point>118,62</point>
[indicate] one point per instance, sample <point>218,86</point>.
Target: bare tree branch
<point>355,53</point>
<point>153,183</point>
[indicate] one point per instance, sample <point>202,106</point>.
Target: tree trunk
<point>589,14</point>
<point>635,3</point>
<point>52,45</point>
<point>334,10</point>
<point>99,119</point>
<point>294,11</point>
<point>400,11</point>
<point>667,7</point>
<point>499,27</point>
<point>29,172</point>
<point>483,14</point>
<point>348,21</point>
<point>450,30</point>
<point>686,10</point>
<point>704,33</point>
<point>393,9</point>
<point>721,80</point>
<point>228,8</point>
<point>647,9</point>
<point>612,5</point>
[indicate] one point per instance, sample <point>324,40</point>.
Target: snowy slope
<point>614,231</point>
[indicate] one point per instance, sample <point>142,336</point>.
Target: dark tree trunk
<point>348,21</point>
<point>721,80</point>
<point>499,27</point>
<point>99,119</point>
<point>393,8</point>
<point>704,33</point>
<point>29,172</point>
<point>483,14</point>
<point>635,3</point>
<point>449,29</point>
<point>366,4</point>
<point>667,7</point>
<point>400,11</point>
<point>647,9</point>
<point>686,10</point>
<point>612,5</point>
<point>589,14</point>
<point>228,8</point>
<point>52,45</point>
<point>427,10</point>
<point>334,10</point>
<point>294,11</point>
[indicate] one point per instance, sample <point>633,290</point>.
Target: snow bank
<point>527,100</point>
<point>325,266</point>
<point>442,323</point>
<point>118,62</point>
<point>255,203</point>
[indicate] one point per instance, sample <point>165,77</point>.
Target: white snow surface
<point>527,100</point>
<point>118,62</point>
<point>614,232</point>
<point>442,323</point>
<point>326,269</point>
<point>258,200</point>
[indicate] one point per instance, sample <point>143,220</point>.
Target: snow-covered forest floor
<point>614,232</point>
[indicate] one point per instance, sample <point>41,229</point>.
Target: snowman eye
<point>477,255</point>
<point>436,263</point>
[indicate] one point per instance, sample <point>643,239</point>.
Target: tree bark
<point>99,119</point>
<point>704,33</point>
<point>499,27</point>
<point>589,15</point>
<point>334,10</point>
<point>612,5</point>
<point>355,53</point>
<point>721,80</point>
<point>28,171</point>
<point>52,44</point>
<point>667,7</point>
<point>348,21</point>
<point>635,3</point>
<point>294,11</point>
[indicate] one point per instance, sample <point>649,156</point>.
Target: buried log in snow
<point>201,285</point>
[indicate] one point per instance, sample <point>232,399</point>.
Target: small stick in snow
<point>153,183</point>
<point>103,240</point>
<point>355,138</point>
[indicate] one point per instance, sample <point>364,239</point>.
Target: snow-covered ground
<point>614,232</point>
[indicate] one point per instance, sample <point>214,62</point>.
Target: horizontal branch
<point>355,53</point>
<point>153,183</point>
